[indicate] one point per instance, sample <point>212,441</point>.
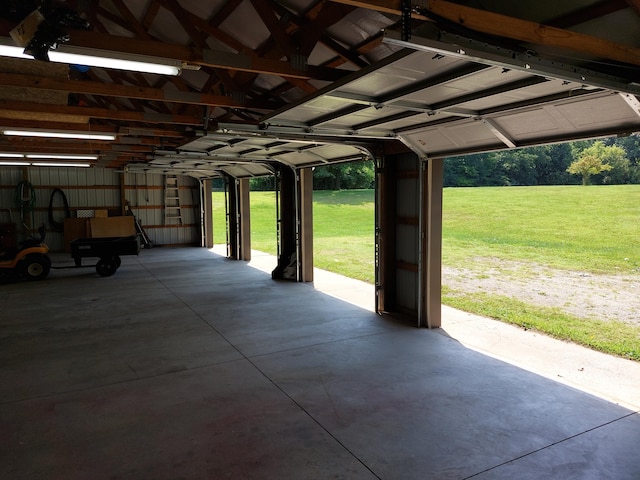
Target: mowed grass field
<point>590,229</point>
<point>594,229</point>
<point>343,224</point>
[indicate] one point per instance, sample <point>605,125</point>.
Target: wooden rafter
<point>512,28</point>
<point>345,55</point>
<point>315,29</point>
<point>275,27</point>
<point>196,56</point>
<point>635,5</point>
<point>182,17</point>
<point>112,17</point>
<point>131,20</point>
<point>211,29</point>
<point>150,15</point>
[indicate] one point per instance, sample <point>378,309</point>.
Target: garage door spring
<point>58,226</point>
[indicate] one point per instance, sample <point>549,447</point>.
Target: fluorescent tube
<point>100,58</point>
<point>57,164</point>
<point>60,134</point>
<point>61,157</point>
<point>14,164</point>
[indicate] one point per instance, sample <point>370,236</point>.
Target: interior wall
<point>90,189</point>
<point>145,194</point>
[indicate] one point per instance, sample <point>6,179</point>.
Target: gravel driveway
<point>605,297</point>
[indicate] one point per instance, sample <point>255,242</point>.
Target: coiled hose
<point>58,226</point>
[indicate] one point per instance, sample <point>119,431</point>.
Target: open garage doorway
<point>528,241</point>
<point>219,195</point>
<point>264,213</point>
<point>344,219</point>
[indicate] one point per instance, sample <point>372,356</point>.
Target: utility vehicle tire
<point>35,267</point>
<point>106,267</point>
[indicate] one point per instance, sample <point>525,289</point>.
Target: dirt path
<point>606,297</point>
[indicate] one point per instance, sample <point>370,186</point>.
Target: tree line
<point>599,162</point>
<point>611,161</point>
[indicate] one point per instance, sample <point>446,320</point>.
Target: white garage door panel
<point>470,104</point>
<point>432,140</point>
<point>469,136</point>
<point>529,92</point>
<point>400,74</point>
<point>529,124</point>
<point>611,110</point>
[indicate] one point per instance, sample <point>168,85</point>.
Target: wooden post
<point>288,220</point>
<point>305,199</point>
<point>244,220</point>
<point>206,188</point>
<point>432,258</point>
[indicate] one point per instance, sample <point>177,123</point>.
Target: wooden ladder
<point>172,200</point>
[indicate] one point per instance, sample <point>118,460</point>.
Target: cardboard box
<point>74,228</point>
<point>101,227</point>
<point>26,29</point>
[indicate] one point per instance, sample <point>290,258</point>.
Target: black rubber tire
<point>35,266</point>
<point>106,267</point>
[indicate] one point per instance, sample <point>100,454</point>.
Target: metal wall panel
<point>407,243</point>
<point>9,178</point>
<point>406,290</point>
<point>99,188</point>
<point>145,193</point>
<point>407,230</point>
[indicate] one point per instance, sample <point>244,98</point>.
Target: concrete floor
<point>185,365</point>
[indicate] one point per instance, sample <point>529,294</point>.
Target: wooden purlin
<point>205,58</point>
<point>99,113</point>
<point>45,84</point>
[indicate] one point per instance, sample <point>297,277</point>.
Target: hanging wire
<point>25,201</point>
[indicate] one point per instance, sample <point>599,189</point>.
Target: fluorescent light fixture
<point>36,156</point>
<point>58,164</point>
<point>44,156</point>
<point>9,50</point>
<point>60,134</point>
<point>100,58</point>
<point>14,164</point>
<point>117,60</point>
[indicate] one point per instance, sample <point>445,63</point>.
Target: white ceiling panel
<point>443,103</point>
<point>440,99</point>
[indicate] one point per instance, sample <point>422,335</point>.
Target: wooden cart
<point>107,249</point>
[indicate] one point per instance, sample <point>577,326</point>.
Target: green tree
<point>349,175</point>
<point>519,166</point>
<point>631,145</point>
<point>552,162</point>
<point>596,159</point>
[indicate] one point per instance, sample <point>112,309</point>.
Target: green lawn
<point>594,229</point>
<point>343,229</point>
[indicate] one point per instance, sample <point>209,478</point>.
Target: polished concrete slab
<point>187,365</point>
